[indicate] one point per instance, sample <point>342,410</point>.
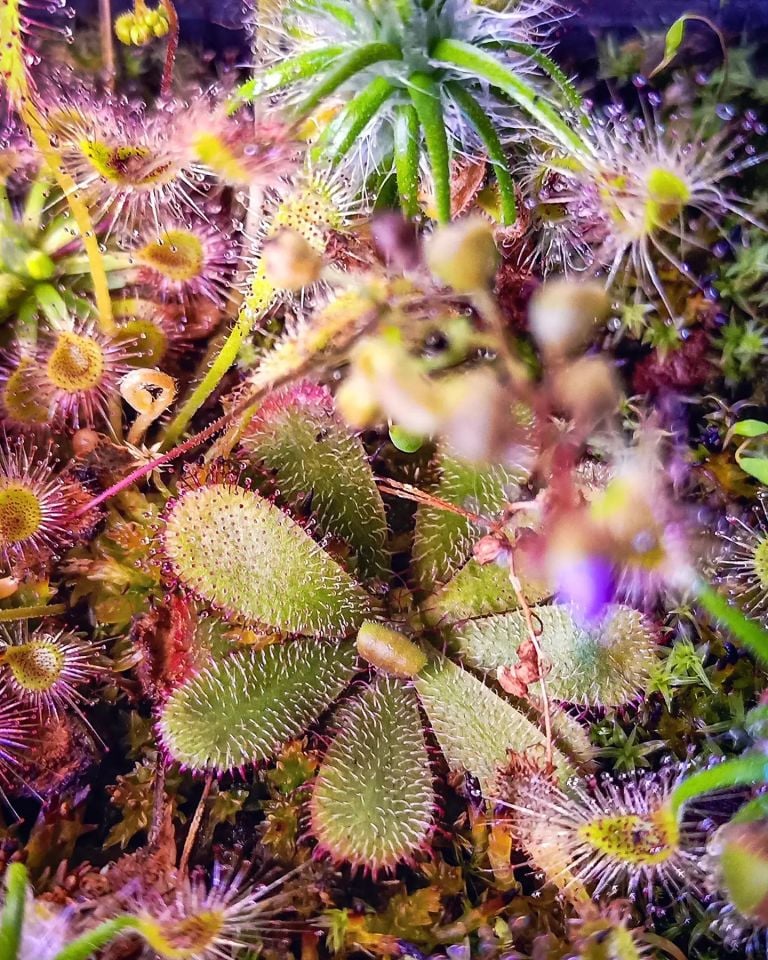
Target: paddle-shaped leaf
<point>240,709</point>
<point>373,800</point>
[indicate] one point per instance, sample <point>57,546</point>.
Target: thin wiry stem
<point>534,638</point>
<point>107,44</point>
<point>194,827</point>
<point>32,613</point>
<point>166,84</point>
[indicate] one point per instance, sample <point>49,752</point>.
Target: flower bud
<point>564,313</point>
<point>742,856</point>
<point>8,586</point>
<point>356,402</point>
<point>84,441</point>
<point>389,651</point>
<point>463,255</point>
<point>124,24</point>
<point>587,390</point>
<point>290,263</point>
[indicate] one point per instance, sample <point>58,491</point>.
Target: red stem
<point>170,51</point>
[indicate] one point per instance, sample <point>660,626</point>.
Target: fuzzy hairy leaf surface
<point>477,590</point>
<point>373,799</point>
<point>297,435</point>
<point>443,540</point>
<point>606,665</point>
<point>240,709</point>
<point>474,727</point>
<point>240,553</point>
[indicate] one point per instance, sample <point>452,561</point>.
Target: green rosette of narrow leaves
<point>476,728</point>
<point>315,460</point>
<point>443,540</point>
<point>243,555</point>
<point>373,799</point>
<point>606,664</point>
<point>242,708</point>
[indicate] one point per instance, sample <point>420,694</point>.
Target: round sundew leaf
<point>297,435</point>
<point>443,540</point>
<point>240,709</point>
<point>373,799</point>
<point>476,728</point>
<point>240,553</point>
<point>607,664</point>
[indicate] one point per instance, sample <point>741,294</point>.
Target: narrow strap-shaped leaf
<point>485,130</point>
<point>339,12</point>
<point>285,73</point>
<point>12,917</point>
<point>478,63</point>
<point>340,135</point>
<point>86,945</point>
<point>425,95</point>
<point>548,65</point>
<point>407,136</point>
<point>748,632</point>
<point>347,66</point>
<point>749,770</point>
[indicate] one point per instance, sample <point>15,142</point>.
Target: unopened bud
<point>587,390</point>
<point>564,313</point>
<point>488,549</point>
<point>8,586</point>
<point>124,24</point>
<point>389,651</point>
<point>84,441</point>
<point>290,263</point>
<point>742,855</point>
<point>356,402</point>
<point>463,255</point>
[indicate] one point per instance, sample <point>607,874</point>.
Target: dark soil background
<point>217,25</point>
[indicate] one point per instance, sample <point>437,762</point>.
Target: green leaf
<point>476,591</point>
<point>407,141</point>
<point>676,34</point>
<point>242,708</point>
<point>427,101</point>
<point>748,632</point>
<point>756,467</point>
<point>340,135</point>
<point>12,917</point>
<point>476,63</point>
<point>749,428</point>
<point>373,799</point>
<point>672,43</point>
<point>605,665</point>
<point>285,73</point>
<point>92,941</point>
<point>297,436</point>
<point>443,540</point>
<point>474,726</point>
<point>241,554</point>
<point>487,133</point>
<point>344,67</point>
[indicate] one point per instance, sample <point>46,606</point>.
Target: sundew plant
<point>383,541</point>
